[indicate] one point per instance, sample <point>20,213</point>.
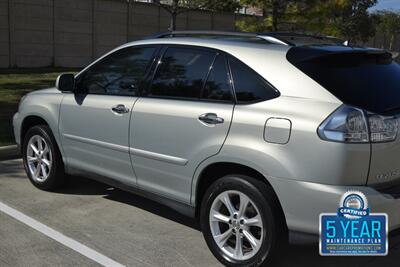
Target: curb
<point>9,152</point>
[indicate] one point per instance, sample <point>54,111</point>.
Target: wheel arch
<point>216,170</point>
<point>29,122</point>
<point>33,119</point>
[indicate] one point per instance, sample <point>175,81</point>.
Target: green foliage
<point>216,5</point>
<point>388,23</point>
<point>348,19</point>
<point>354,21</point>
<point>254,24</point>
<point>273,10</point>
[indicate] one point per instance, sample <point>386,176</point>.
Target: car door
<point>182,118</point>
<point>94,120</point>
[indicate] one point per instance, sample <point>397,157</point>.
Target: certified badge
<point>353,230</point>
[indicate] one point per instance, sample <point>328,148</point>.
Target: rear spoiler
<point>306,53</point>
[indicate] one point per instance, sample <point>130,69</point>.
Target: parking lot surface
<point>128,229</point>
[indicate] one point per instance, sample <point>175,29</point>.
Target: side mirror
<point>65,82</point>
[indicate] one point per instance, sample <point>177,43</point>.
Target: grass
<point>14,83</point>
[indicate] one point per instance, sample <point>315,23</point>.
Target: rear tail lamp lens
<point>382,129</point>
<point>352,125</point>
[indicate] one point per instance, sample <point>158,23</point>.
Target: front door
<point>182,118</point>
<point>94,121</point>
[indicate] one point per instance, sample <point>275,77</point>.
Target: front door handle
<point>120,109</point>
<point>211,118</point>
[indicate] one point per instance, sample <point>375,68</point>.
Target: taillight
<point>382,128</point>
<point>353,125</point>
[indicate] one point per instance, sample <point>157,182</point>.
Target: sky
<point>387,4</point>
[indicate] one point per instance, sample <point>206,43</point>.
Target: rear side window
<point>250,86</point>
<point>368,81</point>
<point>217,86</point>
<point>181,73</point>
<point>117,74</point>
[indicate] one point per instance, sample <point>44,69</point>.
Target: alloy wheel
<point>39,158</point>
<point>236,225</point>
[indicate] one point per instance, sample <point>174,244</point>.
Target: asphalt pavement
<point>125,228</point>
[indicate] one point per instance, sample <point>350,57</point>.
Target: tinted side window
<point>117,74</point>
<point>249,86</point>
<point>217,86</point>
<point>181,73</point>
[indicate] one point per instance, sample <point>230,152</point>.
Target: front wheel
<point>42,159</point>
<point>241,221</point>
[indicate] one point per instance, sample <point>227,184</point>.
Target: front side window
<point>117,74</point>
<point>181,73</point>
<point>250,86</point>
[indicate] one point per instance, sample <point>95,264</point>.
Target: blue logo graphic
<point>353,230</point>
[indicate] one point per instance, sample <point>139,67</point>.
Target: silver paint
<point>161,146</point>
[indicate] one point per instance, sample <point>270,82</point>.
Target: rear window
<point>363,79</point>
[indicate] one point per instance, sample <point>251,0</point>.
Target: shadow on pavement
<point>11,168</point>
<point>84,186</point>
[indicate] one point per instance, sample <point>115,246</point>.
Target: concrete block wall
<point>199,20</point>
<point>165,20</point>
<point>110,25</point>
<point>4,35</point>
<point>144,19</point>
<point>72,33</point>
<point>223,21</point>
<point>31,24</point>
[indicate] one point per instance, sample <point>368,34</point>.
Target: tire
<point>270,233</point>
<point>45,153</point>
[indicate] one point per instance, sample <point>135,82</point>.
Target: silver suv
<point>252,135</point>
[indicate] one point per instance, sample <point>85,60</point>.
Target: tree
<point>173,8</point>
<point>354,21</point>
<point>176,7</point>
<point>218,5</point>
<point>348,19</point>
<point>273,12</point>
<point>388,23</point>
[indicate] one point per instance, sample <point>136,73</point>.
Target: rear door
<point>182,118</point>
<point>94,121</point>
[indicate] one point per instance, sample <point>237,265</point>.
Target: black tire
<point>56,177</point>
<point>264,198</point>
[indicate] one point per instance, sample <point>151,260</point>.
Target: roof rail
<point>216,33</point>
<point>282,38</point>
<point>293,37</point>
<point>270,39</point>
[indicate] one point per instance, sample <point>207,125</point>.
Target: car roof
<point>220,44</point>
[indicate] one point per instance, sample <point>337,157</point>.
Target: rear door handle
<point>120,109</point>
<point>210,118</point>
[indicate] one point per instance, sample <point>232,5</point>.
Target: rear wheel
<point>241,221</point>
<point>42,158</point>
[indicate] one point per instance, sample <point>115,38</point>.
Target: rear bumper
<point>303,202</point>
